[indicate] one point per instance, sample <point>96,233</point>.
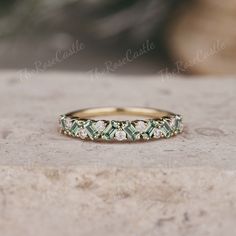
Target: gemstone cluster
<point>121,130</point>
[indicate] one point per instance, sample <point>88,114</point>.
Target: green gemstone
<point>62,122</point>
<point>89,125</point>
<point>148,133</point>
<point>109,132</point>
<point>176,124</point>
<point>179,123</point>
<point>130,130</point>
<point>166,129</point>
<point>76,125</point>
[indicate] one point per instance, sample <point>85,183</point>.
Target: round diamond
<point>100,126</point>
<point>140,126</point>
<point>120,135</point>
<point>157,133</point>
<point>82,133</point>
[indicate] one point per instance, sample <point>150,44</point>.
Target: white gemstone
<point>82,133</point>
<point>141,126</point>
<point>120,135</point>
<point>100,126</point>
<point>68,123</point>
<point>157,133</point>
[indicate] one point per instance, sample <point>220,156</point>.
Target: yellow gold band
<point>159,124</point>
<point>109,111</point>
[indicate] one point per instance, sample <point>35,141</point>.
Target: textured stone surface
<point>54,185</point>
<point>97,201</point>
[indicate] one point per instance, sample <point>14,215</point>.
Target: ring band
<point>160,124</point>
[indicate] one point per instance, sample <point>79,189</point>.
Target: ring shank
<point>109,111</point>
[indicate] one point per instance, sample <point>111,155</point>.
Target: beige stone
<point>54,185</point>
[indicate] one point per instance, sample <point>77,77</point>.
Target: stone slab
<point>53,185</point>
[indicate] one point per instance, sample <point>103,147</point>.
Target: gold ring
<point>158,124</point>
